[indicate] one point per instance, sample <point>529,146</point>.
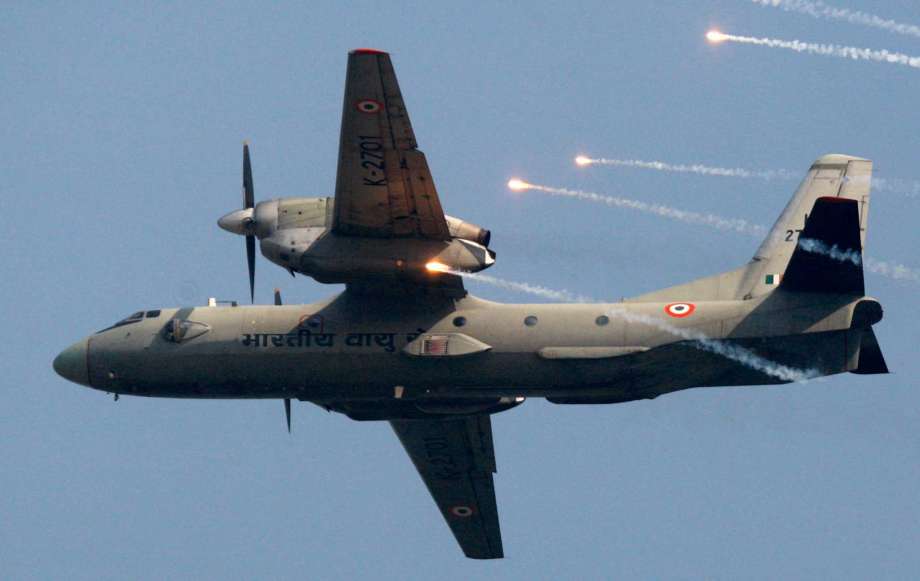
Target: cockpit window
<point>153,314</point>
<point>179,331</point>
<point>132,318</point>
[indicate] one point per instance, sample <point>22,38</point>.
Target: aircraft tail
<point>814,247</point>
<point>806,249</point>
<point>816,244</point>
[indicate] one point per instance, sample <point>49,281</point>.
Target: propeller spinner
<point>242,221</point>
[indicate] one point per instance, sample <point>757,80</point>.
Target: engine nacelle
<point>467,231</point>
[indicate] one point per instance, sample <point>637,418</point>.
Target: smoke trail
<point>891,270</point>
<point>907,187</point>
<point>835,50</point>
<point>540,291</point>
<point>736,353</point>
<point>696,168</point>
<point>833,252</point>
<point>896,185</point>
<point>819,9</point>
<point>711,220</point>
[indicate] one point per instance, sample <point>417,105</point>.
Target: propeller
<point>287,400</point>
<point>248,204</point>
<point>287,412</point>
<point>243,221</point>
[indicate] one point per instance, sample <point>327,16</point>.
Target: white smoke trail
<point>835,50</point>
<point>536,290</point>
<point>907,187</point>
<point>819,9</point>
<point>696,168</point>
<point>833,252</point>
<point>890,270</point>
<point>711,220</point>
<point>736,353</point>
<point>896,185</point>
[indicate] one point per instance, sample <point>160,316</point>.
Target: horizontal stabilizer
<point>871,360</point>
<point>828,255</point>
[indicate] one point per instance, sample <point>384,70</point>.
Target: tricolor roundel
<point>679,310</point>
<point>368,106</point>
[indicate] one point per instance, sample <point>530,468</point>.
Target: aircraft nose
<point>71,363</point>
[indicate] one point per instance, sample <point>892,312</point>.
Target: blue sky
<point>123,128</point>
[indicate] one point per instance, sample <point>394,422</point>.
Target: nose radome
<point>71,363</point>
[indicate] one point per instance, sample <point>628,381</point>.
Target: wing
<point>456,460</point>
<point>383,187</point>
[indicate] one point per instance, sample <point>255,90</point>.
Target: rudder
<point>828,254</point>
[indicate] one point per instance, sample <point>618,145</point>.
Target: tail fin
<point>835,193</point>
<point>842,178</point>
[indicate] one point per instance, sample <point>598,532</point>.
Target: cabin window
<point>602,320</point>
<point>530,320</point>
<point>459,321</point>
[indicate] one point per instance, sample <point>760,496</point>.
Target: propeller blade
<point>248,191</point>
<point>287,413</point>
<point>278,297</point>
<point>251,260</point>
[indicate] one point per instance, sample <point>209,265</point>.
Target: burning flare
<point>435,266</point>
<point>518,185</point>
<point>582,160</point>
<point>834,50</point>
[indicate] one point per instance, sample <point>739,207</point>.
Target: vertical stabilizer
<point>831,176</point>
<point>834,176</point>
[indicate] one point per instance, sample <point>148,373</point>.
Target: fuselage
<point>353,347</point>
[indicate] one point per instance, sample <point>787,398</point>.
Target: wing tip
<point>368,51</point>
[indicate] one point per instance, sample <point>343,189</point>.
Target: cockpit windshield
<point>133,318</point>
